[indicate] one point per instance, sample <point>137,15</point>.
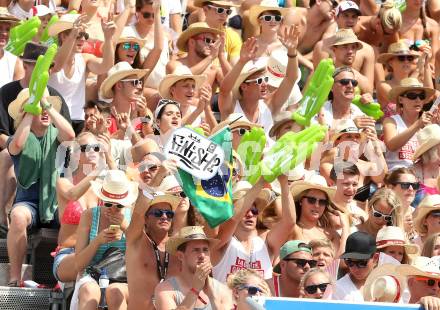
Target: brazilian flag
<point>213,197</point>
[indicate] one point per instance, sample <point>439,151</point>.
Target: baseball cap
<point>347,5</point>
<point>359,245</point>
<point>291,247</point>
<point>41,10</point>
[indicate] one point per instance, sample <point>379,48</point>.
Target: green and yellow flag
<point>213,197</point>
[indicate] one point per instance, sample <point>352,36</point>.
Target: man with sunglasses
<point>295,260</point>
<point>147,262</point>
<point>360,257</point>
<point>72,67</point>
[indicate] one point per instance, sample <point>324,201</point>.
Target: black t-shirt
<point>9,93</point>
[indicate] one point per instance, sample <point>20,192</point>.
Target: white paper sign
<point>195,153</point>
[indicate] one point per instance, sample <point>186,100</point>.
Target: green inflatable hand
<point>39,79</point>
<point>22,34</point>
<point>45,38</point>
<point>251,149</point>
<point>371,109</point>
<point>316,93</point>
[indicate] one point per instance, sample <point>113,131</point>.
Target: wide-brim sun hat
<point>118,72</point>
<point>181,73</point>
<point>6,17</point>
<point>394,236</point>
<point>193,30</point>
<point>65,22</point>
<point>276,67</point>
<point>396,49</point>
<point>128,35</point>
<point>279,120</point>
<point>345,126</point>
<point>265,196</point>
<point>406,85</point>
<point>428,137</point>
<point>162,197</point>
<point>345,36</point>
<point>201,3</point>
<point>187,234</point>
<point>249,69</point>
<point>421,266</point>
<point>384,284</point>
<point>428,204</point>
<point>234,120</point>
<point>15,108</point>
<point>265,5</point>
<point>116,188</point>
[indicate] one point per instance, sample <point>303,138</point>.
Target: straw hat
<point>279,120</point>
<point>396,49</point>
<point>406,85</point>
<point>201,3</point>
<point>15,107</point>
<point>276,67</point>
<point>169,185</point>
<point>64,23</point>
<point>118,72</point>
<point>186,234</point>
<point>162,197</point>
<point>384,284</point>
<point>128,35</point>
<point>249,69</point>
<point>193,30</point>
<point>393,235</point>
<point>6,17</point>
<point>428,204</point>
<point>421,266</point>
<point>345,36</point>
<point>234,120</point>
<point>265,197</point>
<point>265,5</point>
<point>181,73</point>
<point>428,137</point>
<point>116,188</point>
<point>344,126</point>
<point>314,182</point>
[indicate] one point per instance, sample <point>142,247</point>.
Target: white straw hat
<point>186,234</point>
<point>181,73</point>
<point>128,35</point>
<point>65,22</point>
<point>384,284</point>
<point>249,69</point>
<point>392,236</point>
<point>15,108</point>
<point>427,137</point>
<point>428,204</point>
<point>116,188</point>
<point>421,266</point>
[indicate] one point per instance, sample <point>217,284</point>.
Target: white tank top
<point>264,115</point>
<point>237,258</point>
<point>72,89</point>
<point>7,68</point>
<point>403,157</point>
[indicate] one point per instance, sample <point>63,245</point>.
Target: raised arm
<point>225,98</point>
<point>21,134</point>
<point>72,192</point>
<point>204,100</point>
<point>290,41</point>
<point>154,55</point>
<point>136,228</point>
<point>65,130</point>
<point>395,141</point>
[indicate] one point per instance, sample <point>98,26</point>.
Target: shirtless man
<point>347,16</point>
<point>146,238</point>
<point>204,45</point>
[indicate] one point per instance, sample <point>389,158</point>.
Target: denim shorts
<point>35,218</point>
<point>59,256</point>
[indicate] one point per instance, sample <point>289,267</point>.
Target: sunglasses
<point>84,35</point>
<point>159,213</point>
<point>405,185</point>
<point>345,82</point>
<point>358,263</point>
<point>113,204</point>
<point>220,10</point>
<point>134,82</point>
<point>300,262</point>
<point>334,4</point>
<point>402,58</point>
<point>428,281</point>
<point>147,15</point>
<point>128,45</point>
<point>270,18</point>
<point>146,120</point>
<point>252,290</point>
<point>87,147</point>
<point>313,200</point>
<point>254,210</point>
<point>240,131</point>
<point>435,213</point>
<point>146,167</point>
<point>312,289</point>
<point>414,96</point>
<point>259,80</point>
<point>387,217</point>
<point>205,39</point>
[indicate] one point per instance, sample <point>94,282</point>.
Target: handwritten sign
<point>195,153</point>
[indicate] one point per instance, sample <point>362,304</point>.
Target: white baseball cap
<point>41,10</point>
<point>347,5</point>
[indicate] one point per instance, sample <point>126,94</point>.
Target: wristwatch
<point>46,105</point>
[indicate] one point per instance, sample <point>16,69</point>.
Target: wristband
<point>46,105</point>
<point>292,56</point>
<point>195,291</point>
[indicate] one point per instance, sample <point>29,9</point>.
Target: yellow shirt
<point>232,43</point>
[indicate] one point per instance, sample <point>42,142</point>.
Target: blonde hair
<point>309,274</point>
<point>322,243</point>
<point>431,155</point>
<point>240,277</point>
<point>389,16</point>
<point>428,245</point>
<point>391,198</point>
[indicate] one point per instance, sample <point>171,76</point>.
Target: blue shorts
<point>35,218</point>
<point>58,258</point>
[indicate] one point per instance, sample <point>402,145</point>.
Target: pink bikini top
<point>72,214</point>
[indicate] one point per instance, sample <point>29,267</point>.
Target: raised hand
<point>289,38</point>
<point>108,26</point>
<point>249,50</point>
<point>202,272</point>
<point>205,93</point>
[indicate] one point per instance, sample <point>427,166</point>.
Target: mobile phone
<point>114,228</point>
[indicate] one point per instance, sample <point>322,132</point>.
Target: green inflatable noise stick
<point>251,149</point>
<point>45,38</point>
<point>316,93</point>
<point>22,34</point>
<point>39,79</point>
<point>371,109</point>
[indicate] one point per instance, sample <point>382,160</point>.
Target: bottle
<point>103,284</point>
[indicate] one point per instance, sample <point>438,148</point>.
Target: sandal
<point>15,283</point>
